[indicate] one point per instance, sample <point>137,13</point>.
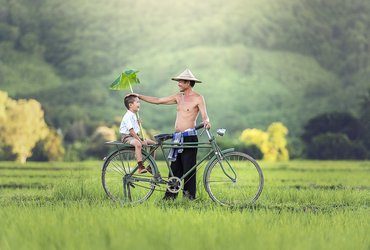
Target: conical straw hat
<point>186,75</point>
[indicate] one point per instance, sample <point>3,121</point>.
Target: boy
<point>129,130</point>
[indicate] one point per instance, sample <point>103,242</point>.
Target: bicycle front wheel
<point>121,183</point>
<point>236,180</point>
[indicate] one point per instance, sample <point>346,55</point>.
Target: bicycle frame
<point>214,153</point>
<point>220,163</point>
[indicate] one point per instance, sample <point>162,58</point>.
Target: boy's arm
<point>133,134</point>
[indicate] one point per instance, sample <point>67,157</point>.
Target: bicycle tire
<point>119,167</point>
<point>238,182</point>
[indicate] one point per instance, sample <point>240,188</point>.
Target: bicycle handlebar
<point>199,126</point>
<point>164,137</point>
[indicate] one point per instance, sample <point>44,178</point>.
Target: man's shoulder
<point>177,96</point>
<point>197,95</point>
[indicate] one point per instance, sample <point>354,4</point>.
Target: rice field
<point>304,205</point>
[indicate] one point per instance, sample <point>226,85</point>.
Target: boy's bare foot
<point>142,170</point>
<point>149,169</point>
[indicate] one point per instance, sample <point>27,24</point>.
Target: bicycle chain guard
<point>174,185</point>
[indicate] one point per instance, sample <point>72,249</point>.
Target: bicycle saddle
<point>163,137</point>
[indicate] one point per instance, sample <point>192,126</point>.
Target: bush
<point>296,148</point>
<point>335,146</point>
<point>251,149</point>
<point>336,122</point>
<point>49,149</point>
<point>96,145</point>
<point>6,153</point>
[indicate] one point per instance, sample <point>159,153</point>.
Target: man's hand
<point>207,124</point>
<point>133,94</point>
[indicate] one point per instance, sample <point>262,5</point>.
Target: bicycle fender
<point>123,146</point>
<point>113,152</point>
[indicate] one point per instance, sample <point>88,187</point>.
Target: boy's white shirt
<point>128,122</point>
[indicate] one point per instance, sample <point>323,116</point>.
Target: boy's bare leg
<point>139,157</point>
<point>150,142</point>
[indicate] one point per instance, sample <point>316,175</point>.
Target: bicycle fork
<point>221,159</point>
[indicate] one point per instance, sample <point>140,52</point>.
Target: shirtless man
<point>189,104</point>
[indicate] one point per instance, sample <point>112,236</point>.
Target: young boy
<point>130,128</point>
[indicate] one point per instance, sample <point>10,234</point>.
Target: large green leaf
<point>126,80</point>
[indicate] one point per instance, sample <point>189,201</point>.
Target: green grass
<point>304,205</point>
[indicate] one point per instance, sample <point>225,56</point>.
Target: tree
<point>335,136</point>
<point>365,119</point>
<point>3,101</point>
<point>22,126</point>
<point>335,146</point>
<point>101,135</point>
<point>335,122</point>
<point>50,148</point>
<point>272,143</point>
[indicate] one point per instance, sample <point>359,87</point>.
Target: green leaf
<point>126,80</point>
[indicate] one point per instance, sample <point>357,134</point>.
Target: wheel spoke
<point>241,191</point>
<point>117,178</point>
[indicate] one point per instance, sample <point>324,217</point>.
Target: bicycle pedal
<point>160,180</point>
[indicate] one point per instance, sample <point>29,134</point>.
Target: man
<point>189,105</point>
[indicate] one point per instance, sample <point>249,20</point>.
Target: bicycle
<point>230,178</point>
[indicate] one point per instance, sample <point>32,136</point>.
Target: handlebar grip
<point>199,126</point>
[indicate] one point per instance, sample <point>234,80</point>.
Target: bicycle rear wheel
<point>236,180</point>
<point>122,184</point>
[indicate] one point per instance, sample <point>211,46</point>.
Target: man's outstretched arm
<point>157,100</point>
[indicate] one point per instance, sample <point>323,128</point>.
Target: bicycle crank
<point>174,185</point>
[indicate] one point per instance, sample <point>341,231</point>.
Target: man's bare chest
<point>187,104</point>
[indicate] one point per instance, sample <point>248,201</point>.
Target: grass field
<point>304,205</point>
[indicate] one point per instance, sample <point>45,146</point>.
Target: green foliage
<point>97,147</point>
<point>49,149</point>
<point>251,150</point>
<point>335,136</point>
<point>126,80</point>
<point>239,146</point>
<point>77,131</point>
<point>6,153</point>
<point>365,118</point>
<point>76,151</point>
<point>23,74</point>
<point>335,123</point>
<point>336,147</point>
<point>260,61</point>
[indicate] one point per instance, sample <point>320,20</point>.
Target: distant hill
<point>261,61</point>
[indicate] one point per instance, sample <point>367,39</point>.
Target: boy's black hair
<point>192,83</point>
<point>129,99</point>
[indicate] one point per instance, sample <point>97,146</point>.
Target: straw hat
<point>186,75</point>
